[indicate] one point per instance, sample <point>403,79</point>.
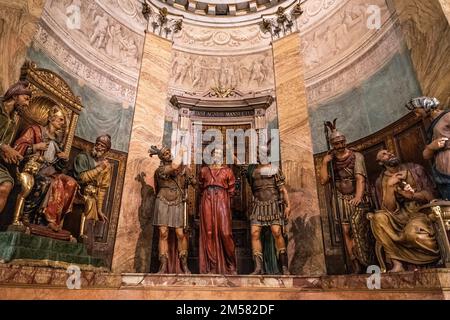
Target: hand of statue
<point>62,156</point>
<point>355,201</point>
<point>102,217</point>
<point>437,144</point>
<point>396,178</point>
<point>407,192</point>
<point>41,146</point>
<point>327,159</point>
<point>10,155</point>
<point>287,212</point>
<point>105,164</point>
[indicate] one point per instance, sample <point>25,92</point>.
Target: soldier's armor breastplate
<point>168,188</point>
<point>345,177</point>
<point>264,187</point>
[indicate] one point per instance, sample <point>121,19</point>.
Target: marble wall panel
<point>18,24</point>
<point>427,33</point>
<point>305,245</point>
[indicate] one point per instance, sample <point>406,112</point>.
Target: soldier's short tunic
<point>169,209</point>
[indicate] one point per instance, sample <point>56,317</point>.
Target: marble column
<point>426,27</point>
<point>18,24</point>
<point>305,233</point>
<point>135,231</point>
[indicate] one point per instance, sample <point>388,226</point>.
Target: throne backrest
<point>49,90</point>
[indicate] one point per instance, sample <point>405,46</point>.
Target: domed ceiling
<point>106,50</point>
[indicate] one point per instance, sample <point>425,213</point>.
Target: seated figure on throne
<point>54,192</point>
<point>405,234</point>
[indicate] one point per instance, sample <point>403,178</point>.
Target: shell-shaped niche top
<point>46,83</point>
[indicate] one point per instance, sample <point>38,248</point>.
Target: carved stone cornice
<point>210,103</point>
<point>220,8</point>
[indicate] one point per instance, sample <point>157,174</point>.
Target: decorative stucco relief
<point>100,51</point>
<point>99,35</point>
<point>200,38</point>
<point>316,11</point>
<point>197,73</point>
<point>88,73</point>
<point>127,12</point>
<point>373,59</point>
<point>339,36</point>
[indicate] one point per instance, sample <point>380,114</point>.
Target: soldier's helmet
<point>334,134</point>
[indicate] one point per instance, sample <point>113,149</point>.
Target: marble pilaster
<point>305,245</point>
<point>135,231</point>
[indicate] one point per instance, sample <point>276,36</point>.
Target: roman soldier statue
<point>351,199</point>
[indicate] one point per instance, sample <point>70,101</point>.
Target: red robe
<point>62,190</point>
<point>217,249</point>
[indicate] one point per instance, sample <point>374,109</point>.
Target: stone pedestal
<point>17,282</point>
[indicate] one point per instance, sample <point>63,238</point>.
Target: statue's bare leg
<point>280,244</point>
<point>163,248</point>
<point>349,245</point>
<point>257,249</point>
<point>182,249</point>
<point>5,189</point>
<point>397,266</point>
<point>278,236</point>
<point>256,238</point>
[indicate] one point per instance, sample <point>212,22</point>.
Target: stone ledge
<point>433,281</point>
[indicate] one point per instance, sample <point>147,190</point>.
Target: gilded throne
<point>52,98</point>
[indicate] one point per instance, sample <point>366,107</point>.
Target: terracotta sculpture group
<point>216,183</point>
<point>37,155</point>
<point>399,227</point>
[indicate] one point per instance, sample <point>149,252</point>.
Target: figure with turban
<point>15,99</point>
<point>91,168</point>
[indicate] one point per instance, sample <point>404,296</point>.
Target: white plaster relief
<point>365,65</point>
<point>86,72</point>
<point>101,38</point>
<point>196,73</point>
